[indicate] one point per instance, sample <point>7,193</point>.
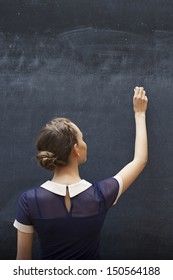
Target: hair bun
<point>48,160</point>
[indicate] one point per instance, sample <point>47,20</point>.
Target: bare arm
<point>24,245</point>
<point>132,170</point>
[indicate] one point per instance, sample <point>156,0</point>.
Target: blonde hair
<point>54,143</point>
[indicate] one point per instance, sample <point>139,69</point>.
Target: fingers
<point>140,99</point>
<point>139,92</point>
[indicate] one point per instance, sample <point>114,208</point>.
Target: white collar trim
<point>60,189</point>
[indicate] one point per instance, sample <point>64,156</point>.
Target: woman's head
<point>56,141</point>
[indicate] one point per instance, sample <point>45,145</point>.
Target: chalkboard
<point>81,60</point>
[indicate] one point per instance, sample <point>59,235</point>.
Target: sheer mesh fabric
<point>64,234</point>
<point>47,205</point>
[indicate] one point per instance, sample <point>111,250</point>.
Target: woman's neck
<point>66,175</point>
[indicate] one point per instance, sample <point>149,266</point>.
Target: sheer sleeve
<point>23,221</point>
<point>111,189</point>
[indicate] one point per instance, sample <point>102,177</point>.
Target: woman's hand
<point>140,100</point>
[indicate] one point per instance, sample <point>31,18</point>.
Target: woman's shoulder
<point>29,192</point>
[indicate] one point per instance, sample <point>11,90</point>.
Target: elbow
<point>142,162</point>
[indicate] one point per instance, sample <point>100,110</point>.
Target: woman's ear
<point>76,150</point>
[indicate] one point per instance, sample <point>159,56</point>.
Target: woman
<point>68,213</point>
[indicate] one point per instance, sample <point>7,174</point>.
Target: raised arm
<point>132,170</point>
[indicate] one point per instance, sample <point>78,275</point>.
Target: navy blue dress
<point>67,235</point>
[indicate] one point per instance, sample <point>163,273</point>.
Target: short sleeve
<point>23,221</point>
<point>111,189</point>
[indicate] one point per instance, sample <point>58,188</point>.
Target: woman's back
<point>67,234</point>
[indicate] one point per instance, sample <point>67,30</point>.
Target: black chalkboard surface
<point>82,59</point>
